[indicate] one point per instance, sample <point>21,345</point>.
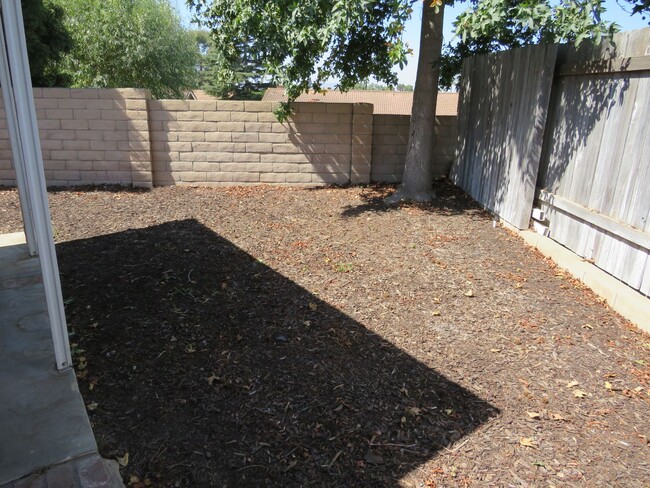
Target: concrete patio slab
<point>43,420</point>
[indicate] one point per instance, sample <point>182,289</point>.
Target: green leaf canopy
<point>129,43</point>
<point>303,43</point>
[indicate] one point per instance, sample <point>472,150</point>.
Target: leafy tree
<point>305,43</point>
<point>47,41</point>
<point>641,7</point>
<point>404,88</point>
<point>129,43</point>
<point>203,45</point>
<point>246,80</point>
<point>495,25</point>
<point>366,85</point>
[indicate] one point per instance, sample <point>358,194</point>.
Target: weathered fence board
<point>503,108</point>
<point>572,121</point>
<point>597,155</point>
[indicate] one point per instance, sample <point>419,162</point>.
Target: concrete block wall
<point>390,139</point>
<point>122,136</point>
<point>88,136</point>
<point>216,143</point>
<point>362,124</point>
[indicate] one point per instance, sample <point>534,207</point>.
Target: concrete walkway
<point>43,420</point>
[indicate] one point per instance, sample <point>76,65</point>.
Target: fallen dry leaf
<point>528,442</point>
<point>91,406</point>
<point>608,385</point>
<point>557,417</point>
<point>571,384</point>
<point>469,293</point>
<point>415,411</point>
<point>124,460</point>
<point>534,415</point>
<point>579,394</point>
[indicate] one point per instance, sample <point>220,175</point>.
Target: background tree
<point>368,85</point>
<point>246,78</point>
<point>404,87</point>
<point>48,41</point>
<point>305,43</point>
<point>134,43</point>
<point>203,44</point>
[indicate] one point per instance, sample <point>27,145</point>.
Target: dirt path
<point>291,337</point>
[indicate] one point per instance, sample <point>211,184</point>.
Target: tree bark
<point>417,182</point>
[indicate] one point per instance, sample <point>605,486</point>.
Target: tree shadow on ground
<point>448,200</point>
<point>211,369</point>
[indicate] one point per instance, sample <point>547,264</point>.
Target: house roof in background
<point>199,95</point>
<point>385,102</point>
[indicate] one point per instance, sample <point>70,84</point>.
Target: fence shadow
<point>211,369</point>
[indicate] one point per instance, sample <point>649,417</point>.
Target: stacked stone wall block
<point>124,137</point>
<point>232,142</point>
<point>361,143</point>
<point>390,142</point>
<point>81,131</point>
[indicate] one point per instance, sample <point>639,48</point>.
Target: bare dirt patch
<point>267,336</point>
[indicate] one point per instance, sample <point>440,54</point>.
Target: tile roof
<point>385,102</point>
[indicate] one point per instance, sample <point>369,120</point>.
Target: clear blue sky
<point>614,13</point>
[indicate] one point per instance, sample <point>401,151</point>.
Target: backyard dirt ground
<point>265,336</point>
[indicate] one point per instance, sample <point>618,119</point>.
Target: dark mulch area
<point>316,337</point>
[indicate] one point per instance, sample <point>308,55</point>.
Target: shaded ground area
<point>290,337</point>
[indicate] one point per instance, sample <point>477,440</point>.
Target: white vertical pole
<point>17,153</point>
<point>27,130</point>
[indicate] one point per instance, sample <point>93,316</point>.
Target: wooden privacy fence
<point>503,104</point>
<point>574,139</point>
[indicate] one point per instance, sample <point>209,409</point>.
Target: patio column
<point>28,163</point>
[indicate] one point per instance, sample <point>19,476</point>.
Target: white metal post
<point>34,175</point>
<point>17,153</point>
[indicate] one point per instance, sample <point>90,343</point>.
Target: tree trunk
<point>418,172</point>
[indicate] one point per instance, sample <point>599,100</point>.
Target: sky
<point>614,13</point>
